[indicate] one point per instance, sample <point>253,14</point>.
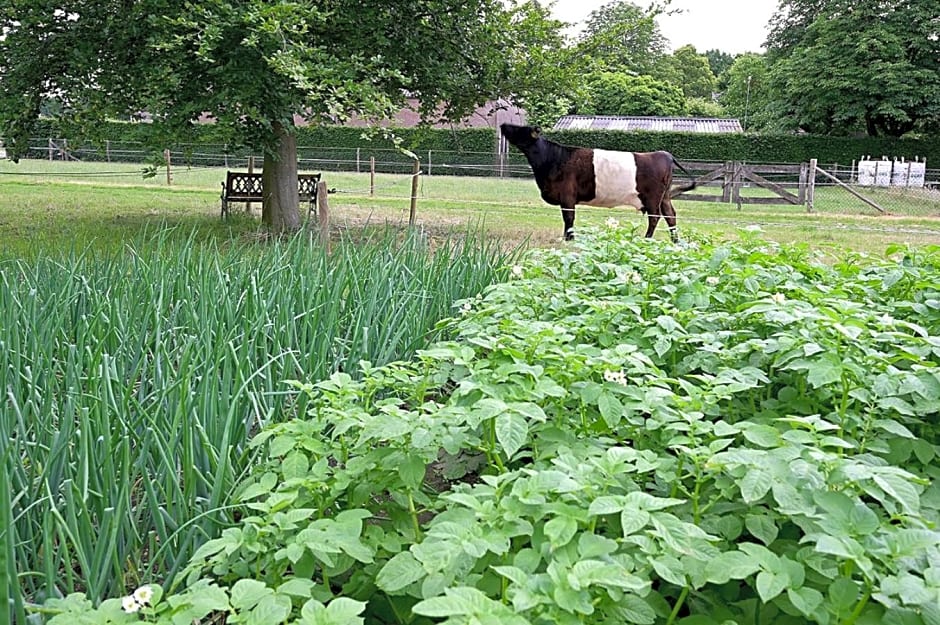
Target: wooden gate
<point>736,179</point>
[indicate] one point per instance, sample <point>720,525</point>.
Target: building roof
<point>666,124</point>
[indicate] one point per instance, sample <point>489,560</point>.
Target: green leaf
<point>843,593</point>
<point>650,502</point>
<point>197,601</point>
<point>824,371</point>
<point>669,569</point>
<point>893,427</point>
<point>755,484</point>
<point>272,609</point>
<point>344,610</point>
<point>730,565</point>
<point>633,520</point>
<point>607,504</point>
<point>511,431</point>
<point>761,527</point>
<point>900,488</point>
<point>399,572</point>
<point>529,410</point>
<point>560,530</point>
<point>460,601</point>
<point>769,585</point>
<point>412,471</point>
<point>295,465</point>
<point>246,593</point>
<point>296,587</point>
<point>805,599</point>
<point>513,574</point>
<point>633,609</point>
<point>611,409</point>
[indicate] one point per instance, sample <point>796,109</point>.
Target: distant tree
<point>704,107</point>
<point>548,69</point>
<point>748,94</point>
<point>694,73</point>
<point>611,93</point>
<point>253,64</point>
<point>866,65</point>
<point>719,62</point>
<point>622,36</point>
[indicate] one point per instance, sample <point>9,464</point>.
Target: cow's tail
<point>687,187</point>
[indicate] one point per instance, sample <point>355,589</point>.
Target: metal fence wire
<point>850,188</point>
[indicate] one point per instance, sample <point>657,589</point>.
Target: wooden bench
<point>245,187</point>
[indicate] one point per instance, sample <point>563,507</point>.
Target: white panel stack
<point>886,173</point>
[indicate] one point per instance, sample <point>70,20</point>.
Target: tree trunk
<point>280,210</point>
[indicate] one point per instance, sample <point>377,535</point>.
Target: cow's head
<point>521,136</point>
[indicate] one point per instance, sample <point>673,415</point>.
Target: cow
<point>568,175</point>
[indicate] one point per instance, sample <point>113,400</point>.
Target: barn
<point>663,124</point>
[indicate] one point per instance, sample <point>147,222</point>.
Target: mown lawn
<point>74,204</point>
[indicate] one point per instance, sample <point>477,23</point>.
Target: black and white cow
<point>569,175</point>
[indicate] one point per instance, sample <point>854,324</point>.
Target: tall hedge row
<point>686,146</point>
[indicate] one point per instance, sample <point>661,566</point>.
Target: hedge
<point>686,146</point>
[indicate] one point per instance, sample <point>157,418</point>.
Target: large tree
<point>694,73</point>
<point>622,36</point>
<point>252,65</point>
<point>864,65</point>
<point>748,94</point>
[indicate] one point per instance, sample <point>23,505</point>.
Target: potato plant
<point>627,431</point>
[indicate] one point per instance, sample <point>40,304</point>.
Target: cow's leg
<point>652,210</point>
<point>567,215</point>
<point>669,214</point>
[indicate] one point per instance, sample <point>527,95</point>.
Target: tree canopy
<point>622,36</point>
<point>832,67</point>
<point>840,66</point>
<point>618,93</point>
<point>694,73</point>
<point>253,65</point>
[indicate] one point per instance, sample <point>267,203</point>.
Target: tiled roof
<point>668,124</point>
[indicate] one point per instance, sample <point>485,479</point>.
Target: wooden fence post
<point>371,176</point>
<point>416,171</point>
<point>811,186</point>
<point>169,175</point>
<point>51,147</point>
<point>323,215</point>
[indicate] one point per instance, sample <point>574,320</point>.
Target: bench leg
<point>224,209</point>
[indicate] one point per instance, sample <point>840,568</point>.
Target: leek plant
<point>132,381</point>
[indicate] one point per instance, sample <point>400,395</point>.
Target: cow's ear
<point>536,132</point>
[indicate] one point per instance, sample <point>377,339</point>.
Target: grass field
<point>51,204</point>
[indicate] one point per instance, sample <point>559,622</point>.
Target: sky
<point>732,26</point>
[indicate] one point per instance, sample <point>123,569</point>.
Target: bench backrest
<point>244,185</point>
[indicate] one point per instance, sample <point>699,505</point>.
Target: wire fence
<point>345,159</point>
<point>788,189</point>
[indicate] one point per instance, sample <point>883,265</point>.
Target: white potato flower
<point>615,376</point>
<point>130,604</point>
<point>143,595</point>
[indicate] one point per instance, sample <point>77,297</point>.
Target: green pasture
<point>51,204</point>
